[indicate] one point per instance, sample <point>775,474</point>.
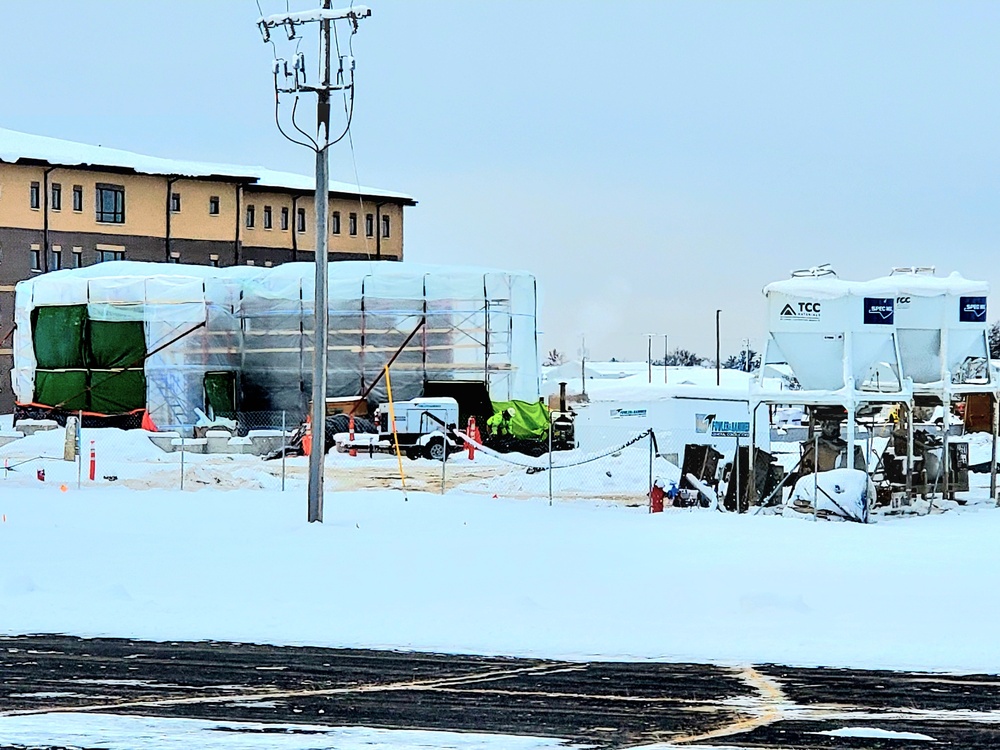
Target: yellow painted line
<point>770,700</point>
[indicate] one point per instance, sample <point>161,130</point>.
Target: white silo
<point>830,334</point>
<point>940,326</point>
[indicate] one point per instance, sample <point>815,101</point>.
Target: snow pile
<point>841,493</point>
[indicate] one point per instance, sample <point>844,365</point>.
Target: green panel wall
<point>77,358</point>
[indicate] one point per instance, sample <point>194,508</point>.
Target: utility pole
<point>649,356</point>
<point>664,359</point>
<point>718,350</point>
<point>295,83</point>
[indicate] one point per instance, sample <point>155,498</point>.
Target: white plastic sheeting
<point>257,322</point>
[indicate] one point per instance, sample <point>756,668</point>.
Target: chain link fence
<point>246,453</point>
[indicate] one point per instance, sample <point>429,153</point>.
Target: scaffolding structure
<point>254,326</point>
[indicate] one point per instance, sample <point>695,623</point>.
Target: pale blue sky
<point>649,161</point>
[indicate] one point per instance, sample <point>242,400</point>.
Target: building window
<point>268,264</point>
<point>56,258</point>
<point>213,260</point>
<point>352,224</point>
<point>335,222</point>
<point>35,195</point>
<point>111,204</point>
<point>77,257</point>
<point>213,205</point>
<point>301,219</point>
<point>385,226</point>
<point>56,196</point>
<point>36,258</point>
<point>78,197</point>
<point>251,216</point>
<point>267,217</point>
<point>175,257</point>
<point>175,202</point>
<point>284,218</point>
<point>250,263</point>
<point>104,256</point>
<point>369,225</point>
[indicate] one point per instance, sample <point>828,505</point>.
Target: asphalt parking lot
<point>604,705</point>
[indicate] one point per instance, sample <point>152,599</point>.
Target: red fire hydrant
<point>656,495</point>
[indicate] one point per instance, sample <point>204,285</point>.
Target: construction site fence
<point>620,465</point>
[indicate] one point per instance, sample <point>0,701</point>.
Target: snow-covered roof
<point>17,147</point>
<point>632,382</point>
<point>830,287</point>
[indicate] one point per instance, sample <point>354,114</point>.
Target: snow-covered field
<point>470,573</point>
<point>465,572</point>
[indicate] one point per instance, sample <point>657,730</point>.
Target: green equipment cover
<point>530,420</point>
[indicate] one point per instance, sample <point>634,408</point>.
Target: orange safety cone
<point>471,432</point>
<point>350,436</point>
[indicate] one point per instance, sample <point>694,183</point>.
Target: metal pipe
<point>170,183</point>
<point>378,229</point>
<point>239,218</point>
<point>292,226</point>
<point>909,452</point>
<point>993,450</point>
<point>44,259</point>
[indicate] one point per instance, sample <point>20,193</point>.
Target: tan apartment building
<point>69,205</point>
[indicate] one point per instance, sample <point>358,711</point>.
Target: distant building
<point>68,205</point>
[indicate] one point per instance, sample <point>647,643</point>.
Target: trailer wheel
<point>436,450</point>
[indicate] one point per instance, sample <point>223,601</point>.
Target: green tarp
<point>68,388</point>
<point>59,335</point>
<point>80,361</point>
<point>115,344</point>
<point>530,420</point>
<point>117,392</point>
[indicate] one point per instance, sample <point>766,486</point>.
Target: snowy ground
<point>468,573</point>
